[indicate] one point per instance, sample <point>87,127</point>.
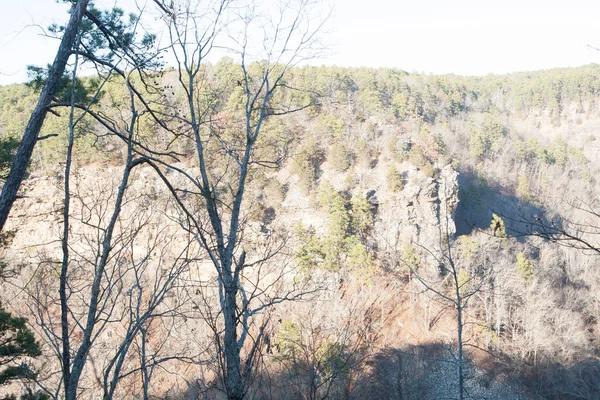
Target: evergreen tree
<point>17,342</point>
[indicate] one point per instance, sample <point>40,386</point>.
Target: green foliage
<point>339,157</point>
<point>407,105</point>
<point>331,360</point>
<point>338,222</point>
<point>306,164</point>
<point>362,215</point>
<point>400,150</point>
<point>585,175</point>
<point>331,126</point>
<point>360,261</point>
<point>417,158</point>
<point>124,40</point>
<point>327,195</point>
<point>309,253</point>
<point>409,258</point>
<point>334,250</point>
<point>228,76</point>
<point>362,153</point>
<point>124,30</point>
<point>523,190</point>
<point>437,145</point>
<point>371,96</point>
<point>395,181</point>
<point>472,196</point>
<point>428,170</point>
<point>486,138</point>
<point>524,267</point>
<point>464,279</point>
<point>497,226</point>
<point>424,132</point>
<point>535,151</point>
<point>328,359</point>
<point>15,109</point>
<point>288,340</point>
<point>467,248</point>
<point>347,224</point>
<point>418,98</point>
<point>16,342</point>
<point>83,88</point>
<point>560,152</point>
<point>577,155</point>
<point>532,151</point>
<point>8,147</point>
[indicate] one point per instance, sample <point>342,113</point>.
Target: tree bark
<point>30,136</point>
<point>64,306</point>
<point>82,353</point>
<point>234,382</point>
<point>459,361</point>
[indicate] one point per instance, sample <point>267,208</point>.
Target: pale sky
<point>467,37</point>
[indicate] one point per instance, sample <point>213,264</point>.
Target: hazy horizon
<point>430,37</point>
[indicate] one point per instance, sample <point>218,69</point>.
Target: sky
<point>466,37</point>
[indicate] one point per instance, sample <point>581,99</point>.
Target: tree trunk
<point>459,360</point>
<point>233,377</point>
<point>82,353</point>
<point>64,297</point>
<point>30,136</point>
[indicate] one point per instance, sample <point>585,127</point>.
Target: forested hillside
<point>409,233</point>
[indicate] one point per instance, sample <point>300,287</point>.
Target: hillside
<point>390,205</point>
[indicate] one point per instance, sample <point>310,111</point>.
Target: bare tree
<point>98,37</point>
<point>227,146</point>
<point>94,271</point>
<point>30,136</point>
<point>104,280</point>
<point>98,255</point>
<point>580,232</point>
<point>153,280</point>
<point>322,352</point>
<point>455,277</point>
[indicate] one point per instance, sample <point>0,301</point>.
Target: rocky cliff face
<point>422,214</point>
<point>426,208</point>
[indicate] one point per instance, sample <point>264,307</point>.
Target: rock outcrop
<point>422,213</point>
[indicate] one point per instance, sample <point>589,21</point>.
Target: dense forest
<point>273,231</point>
